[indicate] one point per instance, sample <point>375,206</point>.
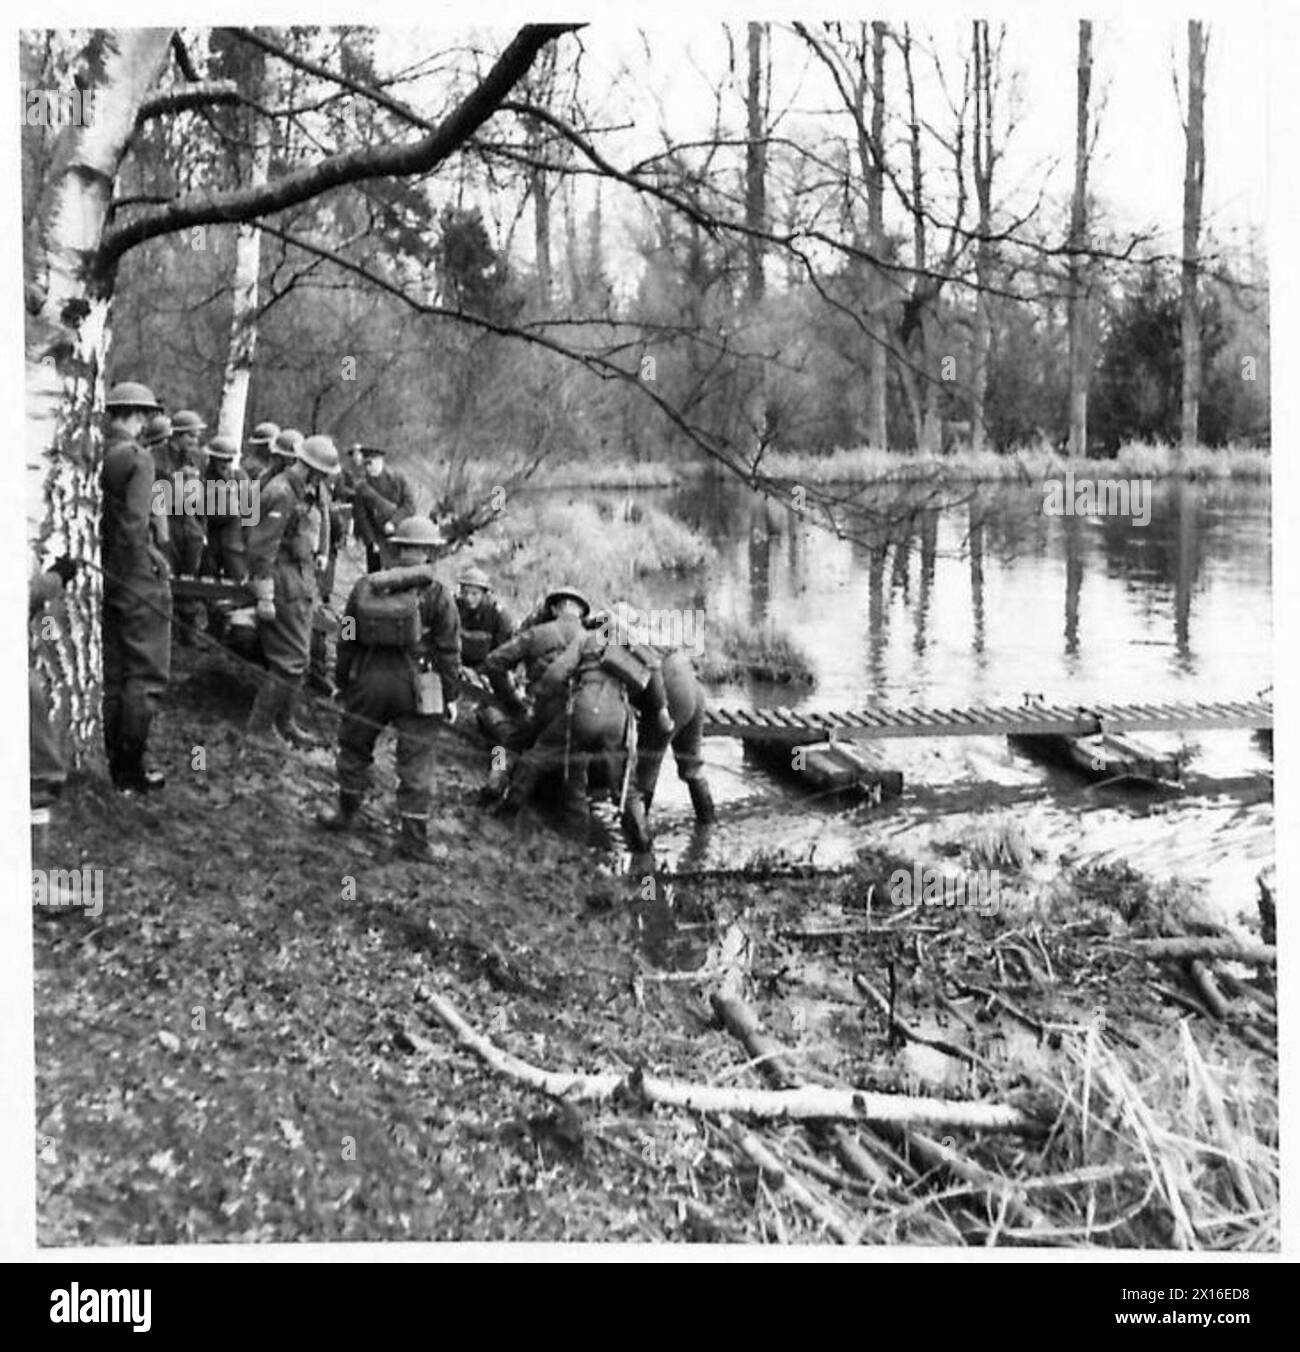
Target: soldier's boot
<point>130,772</point>
<point>287,724</point>
<point>262,719</point>
<point>702,801</point>
<point>636,825</point>
<point>413,842</point>
<point>494,790</point>
<point>344,817</point>
<point>319,677</point>
<point>522,781</point>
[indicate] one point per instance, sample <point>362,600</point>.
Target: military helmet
<point>474,577</point>
<point>569,593</point>
<point>223,448</point>
<point>186,420</point>
<point>368,452</point>
<point>156,430</point>
<point>287,442</point>
<point>416,530</point>
<point>129,394</point>
<point>264,434</point>
<point>319,453</point>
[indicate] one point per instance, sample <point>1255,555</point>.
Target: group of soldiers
<point>596,712</point>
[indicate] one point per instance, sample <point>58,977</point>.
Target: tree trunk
<point>983,156</point>
<point>66,345</point>
<point>877,397</point>
<point>1193,192</point>
<point>243,317</point>
<point>1078,441</point>
<point>755,165</point>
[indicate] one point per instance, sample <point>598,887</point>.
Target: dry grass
<point>1029,464</point>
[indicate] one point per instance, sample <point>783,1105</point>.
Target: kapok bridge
<point>880,721</point>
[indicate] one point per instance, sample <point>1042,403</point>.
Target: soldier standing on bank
<point>283,556</point>
<point>381,498</point>
<point>137,591</point>
<point>257,450</point>
<point>398,662</point>
<point>184,461</point>
<point>225,484</point>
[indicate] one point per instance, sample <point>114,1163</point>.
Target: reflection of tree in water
<point>1074,543</point>
<point>975,513</point>
<point>929,533</point>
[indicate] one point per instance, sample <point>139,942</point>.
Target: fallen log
<point>1207,988</point>
<point>936,1155</point>
<point>774,1105</point>
<point>781,1178</point>
<point>939,1044</point>
<point>743,1024</point>
<point>1235,950</point>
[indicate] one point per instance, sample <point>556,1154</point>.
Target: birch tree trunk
<point>1078,440</point>
<point>1193,193</point>
<point>877,393</point>
<point>66,344</point>
<point>244,307</point>
<point>983,156</point>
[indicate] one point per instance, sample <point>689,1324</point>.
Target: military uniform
<point>225,553</point>
<point>282,549</point>
<point>536,648</point>
<point>48,769</point>
<point>137,603</point>
<point>589,738</point>
<point>378,685</point>
<point>483,629</point>
<point>186,536</point>
<point>676,687</point>
<point>385,499</point>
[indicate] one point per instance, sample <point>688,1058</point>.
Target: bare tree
<point>1198,41</point>
<point>1078,267</point>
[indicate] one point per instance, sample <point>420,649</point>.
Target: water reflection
<point>988,597</point>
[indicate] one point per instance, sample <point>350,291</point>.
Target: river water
<point>975,596</point>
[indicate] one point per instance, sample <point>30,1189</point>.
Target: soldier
<point>536,648</point>
<point>381,498</point>
<point>399,641</point>
<point>589,736</point>
<point>156,439</point>
<point>283,452</point>
<point>184,461</point>
<point>282,562</point>
<point>676,688</point>
<point>257,451</point>
<point>334,523</point>
<point>225,484</point>
<point>137,594</point>
<point>484,622</point>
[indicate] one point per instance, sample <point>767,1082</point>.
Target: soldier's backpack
<point>386,607</point>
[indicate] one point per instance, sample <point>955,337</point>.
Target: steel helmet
<point>319,453</point>
<point>287,443</point>
<point>264,434</point>
<point>131,394</point>
<point>156,430</point>
<point>223,448</point>
<point>474,577</point>
<point>186,420</point>
<point>417,530</point>
<point>572,594</point>
<point>370,452</point>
